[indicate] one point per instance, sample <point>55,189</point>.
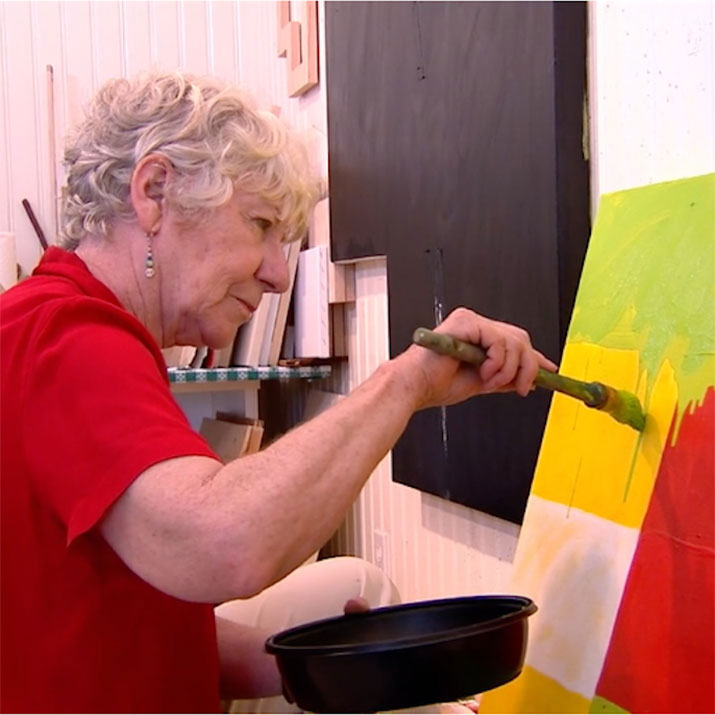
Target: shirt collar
<point>59,262</point>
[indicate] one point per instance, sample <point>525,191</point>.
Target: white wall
<point>652,119</point>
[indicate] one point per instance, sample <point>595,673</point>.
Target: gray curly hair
<point>212,134</point>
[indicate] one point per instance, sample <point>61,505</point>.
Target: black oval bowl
<point>404,656</point>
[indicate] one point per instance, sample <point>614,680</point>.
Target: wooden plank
<point>222,356</point>
<point>341,282</point>
<point>274,303</point>
<point>279,328</point>
<point>179,355</point>
<point>337,330</point>
<point>250,387</point>
<point>228,439</point>
<point>272,312</point>
<point>310,303</point>
<point>297,42</point>
<point>341,276</point>
<point>249,339</point>
<point>257,428</point>
<point>319,228</point>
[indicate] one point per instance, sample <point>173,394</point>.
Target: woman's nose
<point>273,271</point>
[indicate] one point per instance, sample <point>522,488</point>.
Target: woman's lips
<point>248,306</point>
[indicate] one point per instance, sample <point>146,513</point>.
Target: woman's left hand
<point>356,605</point>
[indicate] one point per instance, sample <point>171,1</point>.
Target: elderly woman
<point>120,527</point>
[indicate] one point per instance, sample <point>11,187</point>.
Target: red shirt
<point>85,408</point>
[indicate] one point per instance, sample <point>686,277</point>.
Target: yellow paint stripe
<point>589,460</point>
<point>533,692</point>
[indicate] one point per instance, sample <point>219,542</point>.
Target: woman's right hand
<point>511,363</point>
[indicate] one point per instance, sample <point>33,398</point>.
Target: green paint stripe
<point>601,705</point>
<point>649,282</point>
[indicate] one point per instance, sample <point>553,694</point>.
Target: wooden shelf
<point>226,378</point>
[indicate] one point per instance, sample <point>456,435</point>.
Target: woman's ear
<point>146,191</point>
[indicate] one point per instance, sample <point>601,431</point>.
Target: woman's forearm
<point>296,492</point>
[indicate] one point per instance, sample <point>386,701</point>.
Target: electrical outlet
<point>381,550</point>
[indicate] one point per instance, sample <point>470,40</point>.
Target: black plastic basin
<point>406,655</point>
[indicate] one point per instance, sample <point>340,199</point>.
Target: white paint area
<point>574,566</point>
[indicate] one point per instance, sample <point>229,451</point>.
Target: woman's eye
<point>263,223</point>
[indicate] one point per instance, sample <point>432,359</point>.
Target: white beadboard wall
<point>435,548</point>
<point>652,117</point>
<point>87,43</point>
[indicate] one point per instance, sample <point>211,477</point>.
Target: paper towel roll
<point>8,260</point>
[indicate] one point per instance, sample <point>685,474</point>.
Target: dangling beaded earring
<point>149,260</point>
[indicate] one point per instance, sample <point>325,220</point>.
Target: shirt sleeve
<point>97,412</point>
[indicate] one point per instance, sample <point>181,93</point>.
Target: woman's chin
<point>220,339</point>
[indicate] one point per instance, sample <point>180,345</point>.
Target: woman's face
<point>212,276</point>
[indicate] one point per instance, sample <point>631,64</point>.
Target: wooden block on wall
<point>337,330</point>
<point>341,282</point>
<point>341,276</point>
<point>298,43</point>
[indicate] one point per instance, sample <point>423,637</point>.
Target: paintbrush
<point>623,406</point>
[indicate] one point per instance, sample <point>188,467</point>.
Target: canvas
<point>617,546</point>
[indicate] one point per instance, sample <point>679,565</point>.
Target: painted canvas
<point>617,548</point>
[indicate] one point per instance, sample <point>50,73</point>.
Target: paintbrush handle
<point>592,393</point>
<point>447,345</point>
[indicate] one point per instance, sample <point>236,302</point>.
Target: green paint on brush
<point>621,405</point>
<point>653,251</point>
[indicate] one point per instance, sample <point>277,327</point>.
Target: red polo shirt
<point>85,408</point>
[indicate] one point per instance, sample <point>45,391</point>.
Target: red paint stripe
<point>662,653</point>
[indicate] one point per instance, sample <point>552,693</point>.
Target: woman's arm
<point>203,531</point>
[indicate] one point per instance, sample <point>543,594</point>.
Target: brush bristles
<point>624,407</point>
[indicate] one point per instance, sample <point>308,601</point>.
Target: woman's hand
<point>511,364</point>
<point>356,605</point>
